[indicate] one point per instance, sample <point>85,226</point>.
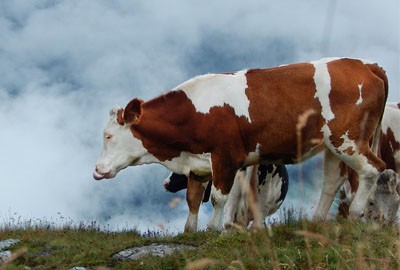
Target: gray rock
<point>8,243</point>
<point>4,255</point>
<point>78,268</point>
<point>159,250</point>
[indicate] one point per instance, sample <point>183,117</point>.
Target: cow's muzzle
<point>97,175</point>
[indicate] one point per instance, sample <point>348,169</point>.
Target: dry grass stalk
<point>174,202</point>
<point>235,226</point>
<point>251,197</point>
<point>360,260</point>
<point>308,248</point>
<point>301,123</point>
<point>322,240</point>
<point>253,203</point>
<point>200,264</point>
<point>236,264</point>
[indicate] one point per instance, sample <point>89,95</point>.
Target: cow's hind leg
<point>331,184</point>
<point>368,166</point>
<point>194,196</point>
<point>232,204</point>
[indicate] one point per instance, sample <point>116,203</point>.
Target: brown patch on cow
<point>170,124</point>
<point>343,169</point>
<point>350,151</point>
<point>133,111</point>
<point>344,206</point>
<point>352,178</point>
<point>194,195</point>
<point>387,147</point>
<point>276,106</point>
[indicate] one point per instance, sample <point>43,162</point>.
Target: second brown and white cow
<point>216,124</point>
<point>384,202</point>
<point>268,183</point>
<point>258,192</point>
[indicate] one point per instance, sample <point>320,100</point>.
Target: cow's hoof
<point>356,215</point>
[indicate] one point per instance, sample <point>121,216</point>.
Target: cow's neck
<point>167,126</point>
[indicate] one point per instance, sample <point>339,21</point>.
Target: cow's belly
<point>199,164</point>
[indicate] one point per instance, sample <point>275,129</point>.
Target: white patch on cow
<point>359,101</point>
<point>366,61</point>
<point>218,200</point>
<point>167,180</point>
<point>199,164</point>
<point>326,131</point>
<point>390,120</point>
<point>269,193</point>
<point>322,81</point>
<point>216,90</point>
<point>240,185</point>
<point>123,149</point>
<point>191,222</point>
<point>253,157</point>
<point>355,160</point>
<point>120,150</point>
<point>347,144</point>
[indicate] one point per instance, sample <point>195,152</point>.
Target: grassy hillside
<point>297,245</point>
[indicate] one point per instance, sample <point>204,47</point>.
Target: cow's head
<point>384,203</point>
<point>120,148</point>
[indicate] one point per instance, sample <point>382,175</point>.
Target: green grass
<point>296,245</point>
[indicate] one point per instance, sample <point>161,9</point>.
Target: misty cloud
<point>64,64</point>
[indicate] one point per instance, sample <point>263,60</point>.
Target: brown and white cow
<point>268,183</point>
<point>384,202</point>
<point>218,123</point>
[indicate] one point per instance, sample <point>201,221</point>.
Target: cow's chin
<point>113,172</point>
<point>100,176</point>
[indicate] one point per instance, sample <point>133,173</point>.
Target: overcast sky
<point>65,63</point>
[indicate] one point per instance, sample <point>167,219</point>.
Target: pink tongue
<point>98,176</point>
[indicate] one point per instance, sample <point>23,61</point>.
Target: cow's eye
<point>108,137</point>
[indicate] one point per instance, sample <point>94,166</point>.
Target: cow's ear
<point>116,114</point>
<point>133,111</point>
<point>120,117</point>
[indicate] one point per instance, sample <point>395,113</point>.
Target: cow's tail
<point>381,74</point>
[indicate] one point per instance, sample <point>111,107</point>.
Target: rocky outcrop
<point>6,254</point>
<point>159,250</point>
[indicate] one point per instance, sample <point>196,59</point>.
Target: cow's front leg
<point>331,183</point>
<point>194,196</point>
